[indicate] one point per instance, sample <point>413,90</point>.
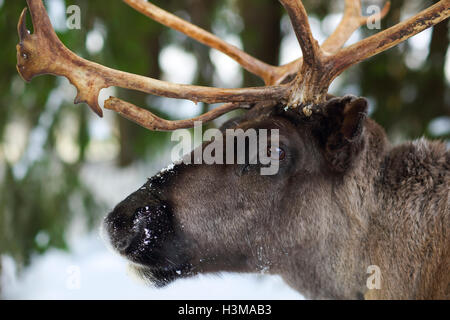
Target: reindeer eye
<point>276,153</point>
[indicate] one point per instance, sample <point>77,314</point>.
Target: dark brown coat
<point>344,199</point>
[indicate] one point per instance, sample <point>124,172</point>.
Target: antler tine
<point>248,62</point>
<point>351,21</point>
<point>388,38</point>
<point>312,53</point>
<point>304,87</point>
<point>320,68</point>
<point>43,53</point>
<point>40,19</point>
<point>152,122</point>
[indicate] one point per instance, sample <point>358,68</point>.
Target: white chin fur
<point>141,274</point>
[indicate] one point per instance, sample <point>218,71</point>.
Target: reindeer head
<point>207,218</point>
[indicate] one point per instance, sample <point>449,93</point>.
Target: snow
<point>91,271</point>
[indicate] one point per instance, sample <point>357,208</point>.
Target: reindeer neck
<point>409,235</point>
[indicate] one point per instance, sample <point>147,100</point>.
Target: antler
<point>249,63</point>
<point>389,38</point>
<point>43,53</point>
<point>320,68</point>
<point>351,21</point>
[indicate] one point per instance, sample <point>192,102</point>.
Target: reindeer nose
<point>130,225</point>
<point>118,227</point>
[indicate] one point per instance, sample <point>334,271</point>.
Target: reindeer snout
<point>136,227</point>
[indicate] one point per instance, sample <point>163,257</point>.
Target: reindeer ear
<point>342,130</point>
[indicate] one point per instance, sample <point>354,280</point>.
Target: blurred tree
<point>261,34</point>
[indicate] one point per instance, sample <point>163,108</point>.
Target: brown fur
<point>344,199</point>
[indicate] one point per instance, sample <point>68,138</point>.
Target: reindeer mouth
<point>159,277</point>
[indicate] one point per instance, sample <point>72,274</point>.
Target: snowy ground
<point>90,271</point>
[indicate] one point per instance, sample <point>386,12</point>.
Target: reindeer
<point>343,201</point>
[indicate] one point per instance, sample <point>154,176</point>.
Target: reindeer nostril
<point>117,231</point>
<point>123,244</point>
<point>124,225</point>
